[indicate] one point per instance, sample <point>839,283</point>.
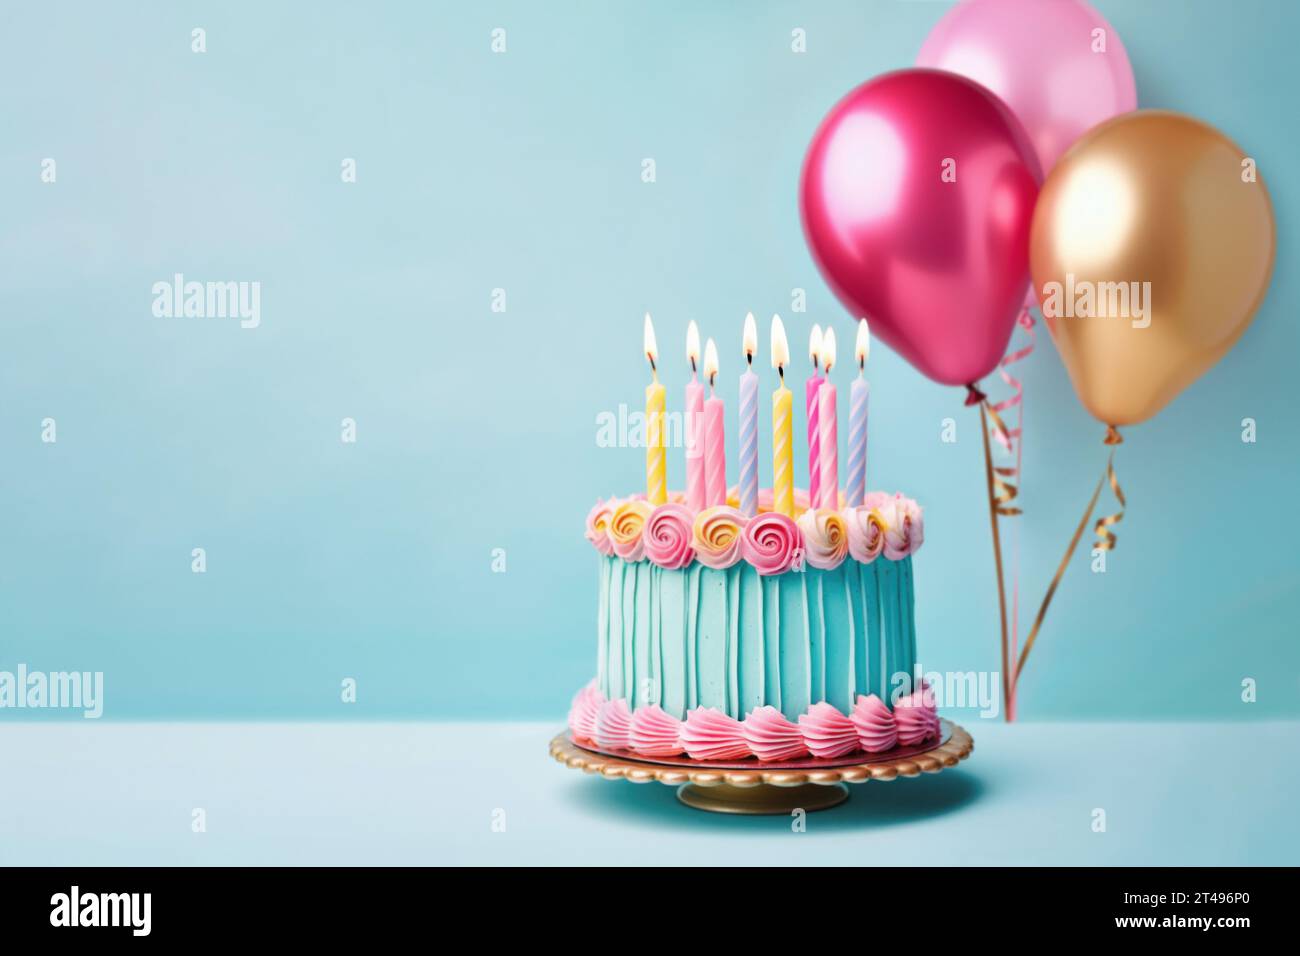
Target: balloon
<point>1152,247</point>
<point>917,195</point>
<point>1059,65</point>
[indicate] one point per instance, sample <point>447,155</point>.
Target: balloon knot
<point>1113,437</point>
<point>974,396</point>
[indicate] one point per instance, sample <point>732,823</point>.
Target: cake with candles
<point>746,624</point>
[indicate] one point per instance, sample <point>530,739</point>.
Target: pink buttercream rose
<point>598,526</point>
<point>626,527</point>
<point>866,532</point>
<point>772,544</point>
<point>825,538</point>
<point>667,537</point>
<point>904,531</point>
<point>717,535</point>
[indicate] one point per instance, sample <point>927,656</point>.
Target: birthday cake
<point>737,624</point>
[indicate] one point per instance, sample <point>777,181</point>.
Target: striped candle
<point>827,419</point>
<point>856,488</point>
<point>656,475</point>
<point>811,388</point>
<point>715,441</point>
<point>695,487</point>
<point>749,423</point>
<point>782,427</point>
<point>859,397</point>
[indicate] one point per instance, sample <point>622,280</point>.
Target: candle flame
<point>864,343</point>
<point>828,350</point>
<point>815,345</point>
<point>750,338</point>
<point>651,348</point>
<point>710,360</point>
<point>693,344</point>
<point>780,348</point>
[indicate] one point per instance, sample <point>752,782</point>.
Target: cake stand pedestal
<point>754,788</point>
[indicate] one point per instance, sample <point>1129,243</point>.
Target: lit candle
<point>811,388</point>
<point>782,427</point>
<point>859,395</point>
<point>715,442</point>
<point>656,477</point>
<point>826,423</point>
<point>749,423</point>
<point>695,487</point>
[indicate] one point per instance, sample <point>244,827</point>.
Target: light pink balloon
<point>1057,63</point>
<point>917,194</point>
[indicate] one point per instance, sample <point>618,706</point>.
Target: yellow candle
<point>782,427</point>
<point>656,477</point>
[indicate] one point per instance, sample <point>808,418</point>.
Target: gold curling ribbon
<point>1105,542</point>
<point>1003,491</point>
<point>991,477</point>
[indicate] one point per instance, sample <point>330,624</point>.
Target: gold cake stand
<point>753,789</point>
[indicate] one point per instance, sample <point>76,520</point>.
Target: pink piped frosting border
<point>765,734</point>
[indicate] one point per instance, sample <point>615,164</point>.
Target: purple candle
<point>859,397</point>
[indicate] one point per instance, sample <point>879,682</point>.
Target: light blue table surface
<point>428,793</point>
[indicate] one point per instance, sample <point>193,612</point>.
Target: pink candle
<point>715,441</point>
<point>696,493</point>
<point>811,388</point>
<point>826,423</point>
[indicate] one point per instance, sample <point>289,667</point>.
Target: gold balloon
<point>1151,249</point>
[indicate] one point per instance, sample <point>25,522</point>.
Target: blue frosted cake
<point>723,637</point>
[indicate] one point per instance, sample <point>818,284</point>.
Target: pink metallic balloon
<point>1059,65</point>
<point>917,194</point>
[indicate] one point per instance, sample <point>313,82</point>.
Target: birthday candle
<point>749,423</point>
<point>826,422</point>
<point>859,395</point>
<point>695,486</point>
<point>811,388</point>
<point>656,477</point>
<point>782,427</point>
<point>715,442</point>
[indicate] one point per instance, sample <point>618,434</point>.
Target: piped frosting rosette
<point>876,727</point>
<point>584,710</point>
<point>827,732</point>
<point>866,532</point>
<point>771,736</point>
<point>709,734</point>
<point>655,732</point>
<point>772,544</point>
<point>717,534</point>
<point>613,725</point>
<point>667,537</point>
<point>598,526</point>
<point>904,531</point>
<point>626,527</point>
<point>917,717</point>
<point>825,538</point>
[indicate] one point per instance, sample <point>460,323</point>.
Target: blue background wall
<point>476,429</point>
